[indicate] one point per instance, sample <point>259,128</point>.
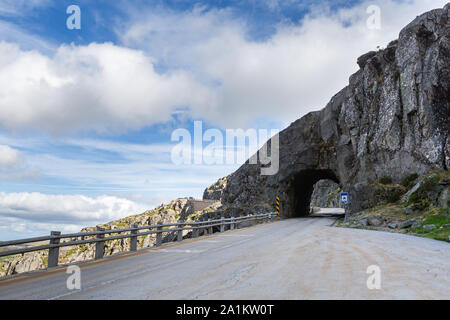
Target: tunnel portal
<point>300,188</point>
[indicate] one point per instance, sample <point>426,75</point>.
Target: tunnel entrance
<point>300,189</point>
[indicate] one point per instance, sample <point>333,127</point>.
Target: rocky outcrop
<point>391,120</point>
<point>215,191</point>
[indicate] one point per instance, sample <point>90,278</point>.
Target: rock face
<point>391,120</point>
<point>215,191</point>
<point>326,194</point>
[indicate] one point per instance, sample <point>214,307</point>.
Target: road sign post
<point>345,200</point>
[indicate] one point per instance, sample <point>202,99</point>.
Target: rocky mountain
<point>392,120</point>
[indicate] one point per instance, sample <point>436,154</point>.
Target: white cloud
<point>9,157</point>
<point>142,173</point>
<point>65,208</point>
<point>296,71</point>
<point>13,166</point>
<point>99,86</point>
<point>33,214</point>
<point>209,65</point>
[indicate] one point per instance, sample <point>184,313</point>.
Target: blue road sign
<point>344,197</point>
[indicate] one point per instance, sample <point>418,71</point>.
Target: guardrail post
<point>232,224</point>
<point>204,229</point>
<point>195,231</point>
<point>134,238</point>
<point>179,232</point>
<point>100,246</point>
<point>53,253</point>
<point>201,231</point>
<point>159,235</point>
<point>222,224</point>
<point>210,229</point>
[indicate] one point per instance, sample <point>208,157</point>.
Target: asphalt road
<point>290,259</point>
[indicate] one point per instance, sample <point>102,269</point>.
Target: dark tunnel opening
<point>301,187</point>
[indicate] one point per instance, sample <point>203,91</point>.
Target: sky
<point>87,115</point>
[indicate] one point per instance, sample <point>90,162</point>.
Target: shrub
<point>393,43</point>
<point>394,196</point>
<point>421,194</point>
<point>409,180</point>
<point>385,180</point>
<point>390,193</point>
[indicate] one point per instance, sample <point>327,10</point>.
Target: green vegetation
<point>393,213</point>
<point>392,43</point>
<point>122,225</point>
<point>408,181</point>
<point>70,252</point>
<point>385,180</point>
<point>421,194</point>
<point>437,218</point>
<point>391,193</point>
<point>422,214</point>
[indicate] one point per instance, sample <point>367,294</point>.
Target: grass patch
<point>394,212</point>
<point>122,225</point>
<point>70,252</point>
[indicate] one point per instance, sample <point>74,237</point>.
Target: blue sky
<point>86,116</point>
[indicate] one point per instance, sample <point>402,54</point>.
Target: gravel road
<point>289,259</point>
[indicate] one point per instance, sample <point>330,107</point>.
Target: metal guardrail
<point>133,233</point>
